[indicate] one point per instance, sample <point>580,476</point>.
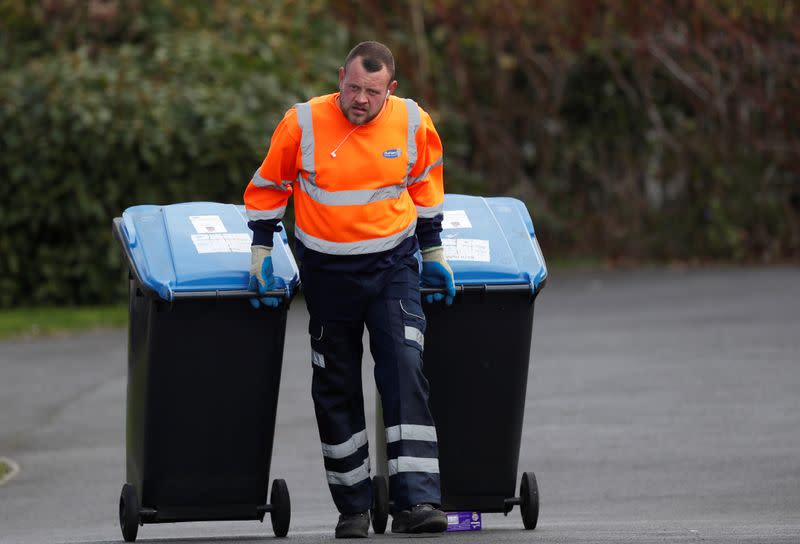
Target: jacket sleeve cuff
<point>428,231</point>
<point>263,231</point>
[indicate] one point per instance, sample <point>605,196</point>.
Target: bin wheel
<point>281,512</point>
<point>529,500</point>
<point>129,513</point>
<point>380,504</point>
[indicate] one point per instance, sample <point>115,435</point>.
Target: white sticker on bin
<point>207,224</point>
<point>234,242</point>
<point>465,249</point>
<point>456,219</point>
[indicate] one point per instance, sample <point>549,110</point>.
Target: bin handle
<point>234,293</point>
<point>432,290</point>
<point>461,289</point>
<point>130,229</point>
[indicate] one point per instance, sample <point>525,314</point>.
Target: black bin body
<point>476,360</point>
<point>203,381</point>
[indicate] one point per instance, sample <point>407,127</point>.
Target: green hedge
<point>185,116</point>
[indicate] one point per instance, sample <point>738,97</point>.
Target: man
<point>365,169</point>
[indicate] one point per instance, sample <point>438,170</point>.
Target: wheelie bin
<point>476,360</point>
<point>204,369</point>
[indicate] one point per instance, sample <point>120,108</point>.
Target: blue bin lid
<point>197,247</point>
<point>491,241</point>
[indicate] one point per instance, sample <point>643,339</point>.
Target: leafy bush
<point>88,132</point>
<point>654,130</point>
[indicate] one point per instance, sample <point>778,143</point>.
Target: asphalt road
<point>662,406</point>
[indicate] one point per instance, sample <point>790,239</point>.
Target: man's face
<point>363,93</point>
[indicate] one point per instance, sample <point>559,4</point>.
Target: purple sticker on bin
<point>463,521</point>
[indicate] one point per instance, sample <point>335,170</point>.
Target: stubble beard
<point>348,113</point>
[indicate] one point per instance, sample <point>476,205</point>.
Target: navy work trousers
<point>388,302</point>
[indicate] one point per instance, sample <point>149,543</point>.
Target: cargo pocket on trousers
<point>413,324</point>
<point>316,331</point>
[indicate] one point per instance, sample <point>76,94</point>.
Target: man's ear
<point>341,77</point>
<point>392,87</point>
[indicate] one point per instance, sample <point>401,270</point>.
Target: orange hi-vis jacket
<point>358,189</point>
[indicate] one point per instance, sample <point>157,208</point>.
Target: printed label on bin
<point>456,219</point>
<point>207,224</point>
<point>235,242</point>
<point>463,521</point>
<point>465,249</point>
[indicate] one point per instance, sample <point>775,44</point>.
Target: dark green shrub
<point>185,116</point>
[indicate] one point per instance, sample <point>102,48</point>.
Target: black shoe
<point>353,525</point>
<point>422,518</point>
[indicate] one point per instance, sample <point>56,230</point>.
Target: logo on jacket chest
<point>392,153</point>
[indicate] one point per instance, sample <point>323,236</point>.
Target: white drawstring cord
<point>333,153</point>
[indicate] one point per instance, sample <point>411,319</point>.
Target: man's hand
<point>262,278</point>
<point>437,273</point>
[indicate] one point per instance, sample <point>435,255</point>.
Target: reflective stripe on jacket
<point>358,188</point>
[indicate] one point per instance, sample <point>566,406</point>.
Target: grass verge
<point>45,321</point>
<point>8,469</point>
<point>567,263</point>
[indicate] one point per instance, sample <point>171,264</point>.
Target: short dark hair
<point>374,56</point>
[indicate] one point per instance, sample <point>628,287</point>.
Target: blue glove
<point>262,277</point>
<point>437,273</point>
